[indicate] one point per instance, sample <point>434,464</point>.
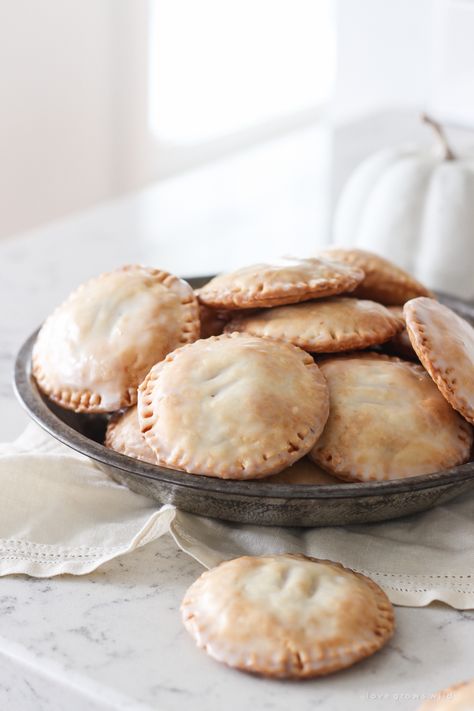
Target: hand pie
<point>459,697</point>
<point>387,421</point>
<point>233,406</point>
<point>322,326</point>
<point>287,281</point>
<point>123,435</point>
<point>95,349</point>
<point>383,281</point>
<point>444,342</point>
<point>302,472</point>
<point>287,616</point>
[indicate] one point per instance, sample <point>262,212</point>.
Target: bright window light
<point>220,66</point>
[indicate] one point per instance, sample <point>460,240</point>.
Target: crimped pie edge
<point>436,703</point>
<point>279,293</point>
<point>185,462</point>
<point>88,401</point>
<point>119,444</point>
<point>356,475</point>
<point>396,281</point>
<point>353,341</point>
<point>296,665</point>
<point>442,377</point>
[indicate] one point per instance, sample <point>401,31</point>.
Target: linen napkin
<point>59,513</point>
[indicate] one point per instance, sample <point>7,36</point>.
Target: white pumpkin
<point>416,208</point>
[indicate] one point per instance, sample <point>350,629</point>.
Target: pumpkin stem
<point>448,154</point>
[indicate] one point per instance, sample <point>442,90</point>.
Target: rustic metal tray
<point>263,502</point>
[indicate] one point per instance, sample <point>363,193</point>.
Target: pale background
<point>100,98</point>
<point>194,135</point>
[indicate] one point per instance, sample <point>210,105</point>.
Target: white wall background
<point>75,96</point>
<point>405,53</point>
<point>72,76</point>
<point>75,79</point>
<point>384,55</point>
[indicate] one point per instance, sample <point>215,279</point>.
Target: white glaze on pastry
<point>93,351</point>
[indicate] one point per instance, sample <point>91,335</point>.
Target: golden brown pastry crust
<point>287,281</point>
<point>322,326</point>
<point>444,343</point>
<point>387,421</point>
<point>233,406</point>
<point>458,697</point>
<point>95,348</point>
<point>287,616</point>
<point>303,472</point>
<point>123,435</point>
<point>397,312</point>
<point>384,281</point>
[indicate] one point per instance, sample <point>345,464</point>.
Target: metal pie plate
<point>256,502</point>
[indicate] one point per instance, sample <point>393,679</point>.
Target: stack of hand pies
<point>336,368</point>
<point>342,357</point>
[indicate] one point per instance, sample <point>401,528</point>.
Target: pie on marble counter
<point>287,616</point>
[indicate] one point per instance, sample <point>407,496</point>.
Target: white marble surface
<point>113,639</point>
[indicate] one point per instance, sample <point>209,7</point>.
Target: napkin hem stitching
<point>9,543</point>
<point>65,553</point>
<point>55,561</point>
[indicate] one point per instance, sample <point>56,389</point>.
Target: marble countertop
<point>113,639</point>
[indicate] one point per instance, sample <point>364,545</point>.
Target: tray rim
<point>37,408</point>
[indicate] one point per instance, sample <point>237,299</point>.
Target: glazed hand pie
<point>123,435</point>
<point>95,349</point>
<point>383,281</point>
<point>387,421</point>
<point>287,616</point>
<point>233,406</point>
<point>459,697</point>
<point>444,342</point>
<point>284,282</point>
<point>302,472</point>
<point>322,326</point>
